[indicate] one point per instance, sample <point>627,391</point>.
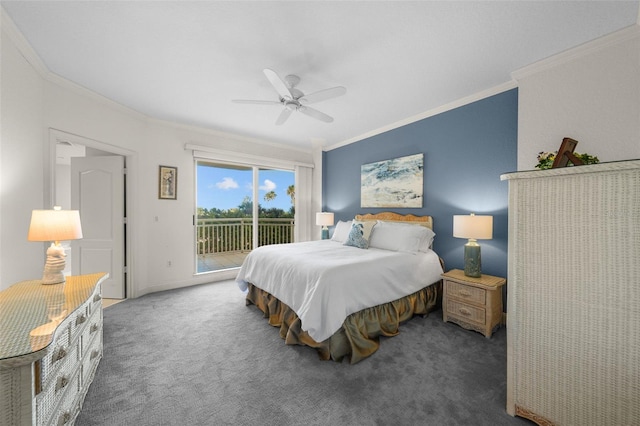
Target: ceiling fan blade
<point>278,84</point>
<point>284,115</point>
<point>315,114</point>
<point>323,95</point>
<point>247,101</point>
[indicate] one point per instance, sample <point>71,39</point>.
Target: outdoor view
<point>225,194</point>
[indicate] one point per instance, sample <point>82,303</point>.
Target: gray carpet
<point>199,356</point>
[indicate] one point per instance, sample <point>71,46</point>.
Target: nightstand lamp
<point>474,228</point>
<point>325,220</point>
<point>54,225</point>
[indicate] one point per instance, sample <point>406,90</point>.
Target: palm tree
<point>291,192</point>
<point>271,195</point>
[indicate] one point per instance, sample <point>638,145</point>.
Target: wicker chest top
<point>30,305</point>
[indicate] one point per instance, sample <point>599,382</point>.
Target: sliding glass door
<point>238,208</point>
<point>276,207</point>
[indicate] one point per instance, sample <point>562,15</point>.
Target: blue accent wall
<point>465,152</point>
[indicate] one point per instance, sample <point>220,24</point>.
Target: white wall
<point>590,93</point>
<point>34,101</point>
<point>21,172</point>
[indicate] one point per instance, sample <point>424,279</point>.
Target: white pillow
<point>401,237</point>
<point>341,232</point>
<point>427,239</point>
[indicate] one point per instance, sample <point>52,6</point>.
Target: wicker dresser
<point>573,303</point>
<point>50,347</point>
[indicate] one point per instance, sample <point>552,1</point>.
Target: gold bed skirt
<point>359,335</point>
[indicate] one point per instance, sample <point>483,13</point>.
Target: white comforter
<point>325,281</point>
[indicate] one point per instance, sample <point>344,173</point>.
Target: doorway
<point>89,176</point>
<point>97,192</point>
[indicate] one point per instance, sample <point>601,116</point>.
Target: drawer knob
<point>464,293</point>
<point>464,312</point>
<point>62,382</point>
<point>81,319</point>
<point>64,418</point>
<point>94,328</point>
<point>60,354</point>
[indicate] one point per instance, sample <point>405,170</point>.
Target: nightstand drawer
<point>470,313</point>
<point>466,292</point>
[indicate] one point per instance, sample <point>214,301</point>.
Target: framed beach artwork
<point>393,183</point>
<point>168,183</point>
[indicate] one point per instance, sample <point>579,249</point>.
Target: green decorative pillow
<point>359,234</point>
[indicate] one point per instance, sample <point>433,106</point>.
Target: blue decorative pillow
<point>359,234</point>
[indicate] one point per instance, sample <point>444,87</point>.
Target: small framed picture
<point>168,183</point>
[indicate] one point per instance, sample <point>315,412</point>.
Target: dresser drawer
<point>468,312</point>
<point>466,292</point>
<point>95,302</point>
<point>91,358</point>
<point>61,386</point>
<point>69,408</point>
<point>92,331</point>
<point>58,355</point>
<point>79,321</point>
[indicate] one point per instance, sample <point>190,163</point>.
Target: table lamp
<point>325,220</point>
<point>474,228</point>
<point>54,225</point>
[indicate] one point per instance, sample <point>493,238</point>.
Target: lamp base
<point>325,233</point>
<point>54,266</point>
<point>472,260</point>
<point>53,278</point>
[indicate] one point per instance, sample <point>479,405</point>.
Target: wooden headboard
<point>395,217</point>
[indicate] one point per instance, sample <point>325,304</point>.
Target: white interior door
<point>97,191</point>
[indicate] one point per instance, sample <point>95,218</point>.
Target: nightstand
<point>472,303</point>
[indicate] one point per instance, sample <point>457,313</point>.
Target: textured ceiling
<point>184,61</point>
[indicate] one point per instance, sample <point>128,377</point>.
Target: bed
<point>340,295</point>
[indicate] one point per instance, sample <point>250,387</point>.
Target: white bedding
<point>325,281</point>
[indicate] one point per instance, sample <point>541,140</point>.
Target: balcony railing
<point>215,236</point>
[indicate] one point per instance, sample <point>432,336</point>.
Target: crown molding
<point>32,57</point>
<point>17,38</point>
<point>579,51</point>
<point>226,135</point>
<point>83,91</point>
<point>9,28</point>
<point>430,113</point>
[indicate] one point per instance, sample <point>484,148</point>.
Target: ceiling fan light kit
<point>291,105</point>
<point>293,99</point>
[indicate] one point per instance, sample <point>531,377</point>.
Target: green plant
<point>545,159</point>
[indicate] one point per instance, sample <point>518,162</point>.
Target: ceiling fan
<point>295,100</point>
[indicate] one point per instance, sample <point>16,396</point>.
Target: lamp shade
<point>473,227</point>
<point>324,219</point>
<point>55,225</point>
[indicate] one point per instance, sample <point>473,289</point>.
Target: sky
<point>225,188</point>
